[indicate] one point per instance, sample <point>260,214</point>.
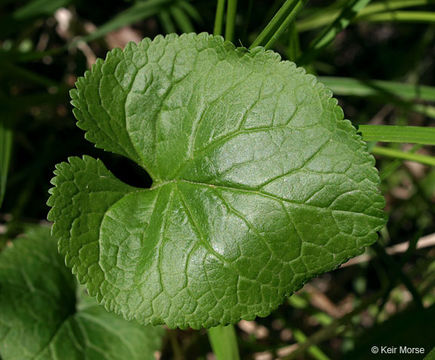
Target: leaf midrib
<point>60,325</point>
<point>158,185</point>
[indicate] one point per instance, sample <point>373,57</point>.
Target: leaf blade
<point>226,230</point>
<point>43,317</point>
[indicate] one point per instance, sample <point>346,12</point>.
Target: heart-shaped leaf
<point>45,316</point>
<point>258,183</point>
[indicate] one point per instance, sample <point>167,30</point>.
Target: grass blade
<point>273,24</point>
<point>182,20</point>
<point>288,20</point>
<point>231,20</point>
<point>388,170</point>
<point>425,110</point>
<point>15,71</point>
<point>329,34</point>
<point>166,21</point>
<point>219,19</point>
<point>356,87</point>
<point>191,11</point>
<point>401,134</point>
<point>402,16</point>
<point>5,155</point>
<point>399,94</point>
<point>323,17</point>
<point>15,56</point>
<point>402,155</point>
<point>223,341</point>
<point>137,12</point>
<point>313,350</point>
<point>293,49</point>
<point>38,8</point>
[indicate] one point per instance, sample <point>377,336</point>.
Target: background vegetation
<point>379,61</point>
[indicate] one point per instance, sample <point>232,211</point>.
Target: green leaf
<point>258,183</point>
<point>431,355</point>
<point>45,316</point>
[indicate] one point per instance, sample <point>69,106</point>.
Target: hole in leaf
<point>127,171</point>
